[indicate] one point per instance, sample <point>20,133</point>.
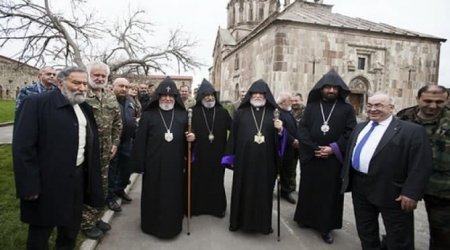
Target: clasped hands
<point>323,152</point>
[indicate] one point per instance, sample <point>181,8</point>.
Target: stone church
<point>293,45</point>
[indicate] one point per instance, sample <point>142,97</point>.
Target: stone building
<point>14,76</point>
<point>293,45</point>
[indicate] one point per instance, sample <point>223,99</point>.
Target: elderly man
<point>290,158</point>
<point>56,161</point>
<point>432,113</point>
<point>211,123</point>
<point>160,153</point>
<point>107,116</point>
<point>253,149</point>
<point>46,77</point>
<point>387,168</point>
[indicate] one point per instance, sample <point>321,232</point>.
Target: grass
<point>7,110</point>
<point>13,233</point>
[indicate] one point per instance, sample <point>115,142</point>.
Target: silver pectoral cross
<point>259,138</point>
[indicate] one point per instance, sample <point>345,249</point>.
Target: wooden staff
<point>276,115</point>
<point>189,174</point>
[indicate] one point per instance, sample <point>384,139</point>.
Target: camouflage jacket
<point>298,113</point>
<point>107,115</point>
<point>438,131</point>
<point>36,88</point>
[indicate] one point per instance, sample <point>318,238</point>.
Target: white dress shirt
<point>82,123</point>
<point>371,144</point>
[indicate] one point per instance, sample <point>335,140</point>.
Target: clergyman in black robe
<point>253,147</point>
<point>159,153</point>
<point>210,123</point>
<point>324,130</point>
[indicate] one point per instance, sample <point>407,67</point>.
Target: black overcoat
<point>45,145</point>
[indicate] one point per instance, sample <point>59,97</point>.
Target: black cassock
<point>254,170</point>
<point>162,164</point>
<point>320,204</point>
<point>208,192</point>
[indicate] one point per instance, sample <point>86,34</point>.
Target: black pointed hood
<point>166,87</point>
<point>331,78</point>
<point>260,86</point>
<point>205,89</point>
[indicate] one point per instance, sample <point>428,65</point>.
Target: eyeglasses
<point>377,106</point>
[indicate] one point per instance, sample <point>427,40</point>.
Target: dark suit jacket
<point>401,164</point>
<point>45,145</point>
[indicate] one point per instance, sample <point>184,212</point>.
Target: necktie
<point>359,147</point>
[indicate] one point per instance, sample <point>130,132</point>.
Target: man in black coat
<point>56,161</point>
<point>389,162</point>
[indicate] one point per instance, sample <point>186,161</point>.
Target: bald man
<point>119,169</point>
<point>387,167</point>
<point>47,82</point>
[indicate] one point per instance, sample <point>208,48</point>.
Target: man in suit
<point>56,161</point>
<point>389,162</point>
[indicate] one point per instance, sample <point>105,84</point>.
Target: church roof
<point>320,14</point>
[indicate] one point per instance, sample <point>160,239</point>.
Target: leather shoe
<point>328,237</point>
<point>105,227</point>
<point>93,233</point>
<point>288,197</point>
<point>124,196</point>
<point>233,228</point>
<point>114,206</point>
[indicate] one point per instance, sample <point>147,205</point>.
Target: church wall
<point>294,57</point>
<point>13,78</point>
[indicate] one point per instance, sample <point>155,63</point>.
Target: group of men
<point>385,162</point>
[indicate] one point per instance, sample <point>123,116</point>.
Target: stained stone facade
<point>14,76</point>
<point>292,47</point>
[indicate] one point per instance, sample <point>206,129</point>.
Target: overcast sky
<point>201,19</point>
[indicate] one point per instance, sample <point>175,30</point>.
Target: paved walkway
<point>208,232</point>
<point>6,134</point>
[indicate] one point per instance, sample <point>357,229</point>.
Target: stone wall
<point>293,57</point>
<point>14,77</point>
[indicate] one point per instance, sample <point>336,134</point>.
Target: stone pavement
<point>208,232</point>
<point>6,134</point>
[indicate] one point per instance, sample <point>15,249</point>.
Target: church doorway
<point>359,87</point>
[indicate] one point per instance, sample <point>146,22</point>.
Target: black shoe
<point>105,227</point>
<point>93,233</point>
<point>328,237</point>
<point>288,197</point>
<point>233,228</point>
<point>122,195</point>
<point>114,206</point>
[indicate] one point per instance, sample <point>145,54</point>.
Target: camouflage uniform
<point>437,194</point>
<point>107,115</point>
<point>298,113</point>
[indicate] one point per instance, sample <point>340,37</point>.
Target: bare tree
<point>48,36</point>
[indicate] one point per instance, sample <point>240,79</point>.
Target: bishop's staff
<point>189,173</point>
<point>276,115</point>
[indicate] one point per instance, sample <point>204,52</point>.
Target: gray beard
<point>257,104</point>
<point>73,97</point>
<point>208,105</point>
<point>166,107</point>
<point>97,86</point>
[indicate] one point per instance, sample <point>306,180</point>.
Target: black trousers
<point>288,171</point>
<point>66,235</point>
<point>438,210</point>
<point>399,224</point>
